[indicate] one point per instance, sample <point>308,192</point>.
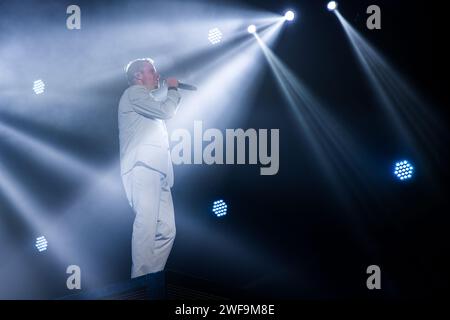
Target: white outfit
<point>147,175</point>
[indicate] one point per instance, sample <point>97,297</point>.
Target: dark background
<point>285,236</point>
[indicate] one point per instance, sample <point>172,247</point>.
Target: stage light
<point>403,170</point>
<point>41,243</point>
<point>219,208</point>
<point>39,86</point>
<point>289,15</point>
<point>251,28</point>
<point>214,36</point>
<point>332,5</point>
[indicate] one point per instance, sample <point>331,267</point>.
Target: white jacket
<point>142,131</point>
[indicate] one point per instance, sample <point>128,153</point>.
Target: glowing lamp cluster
<point>332,5</point>
<point>219,208</point>
<point>289,15</point>
<point>39,86</point>
<point>41,243</point>
<point>214,36</point>
<point>403,170</point>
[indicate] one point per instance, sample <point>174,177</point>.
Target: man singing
<point>146,166</point>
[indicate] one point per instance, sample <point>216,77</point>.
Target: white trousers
<point>149,195</point>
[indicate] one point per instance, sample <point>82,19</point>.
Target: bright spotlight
<point>38,86</point>
<point>289,15</point>
<point>214,35</point>
<point>41,243</point>
<point>219,208</point>
<point>332,5</point>
<point>251,28</point>
<point>403,170</point>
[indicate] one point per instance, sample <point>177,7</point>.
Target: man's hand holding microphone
<point>175,84</point>
<point>172,83</point>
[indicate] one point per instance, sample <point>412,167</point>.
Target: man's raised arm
<point>144,104</point>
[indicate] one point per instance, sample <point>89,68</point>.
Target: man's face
<point>149,76</point>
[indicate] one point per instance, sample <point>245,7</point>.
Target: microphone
<point>184,86</point>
